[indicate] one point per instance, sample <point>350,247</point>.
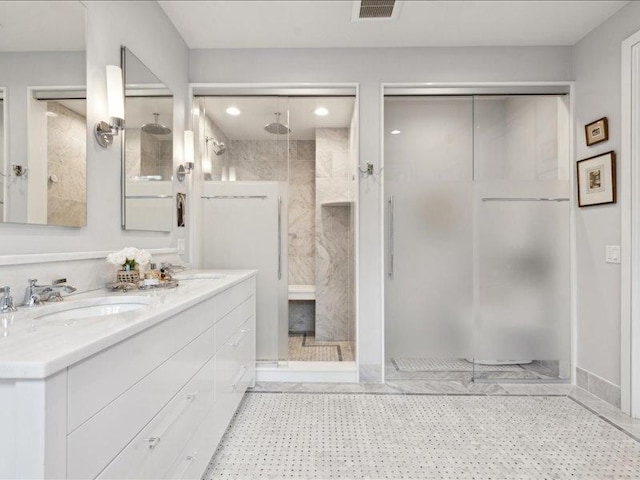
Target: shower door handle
<point>391,237</point>
<point>279,238</point>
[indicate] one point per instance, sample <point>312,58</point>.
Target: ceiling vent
<point>364,10</point>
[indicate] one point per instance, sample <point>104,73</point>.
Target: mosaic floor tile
<point>304,348</point>
<point>308,436</point>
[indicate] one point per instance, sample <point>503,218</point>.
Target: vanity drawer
<point>229,363</point>
<point>234,372</point>
<point>152,453</point>
<point>95,443</point>
<point>98,380</point>
<point>231,298</point>
<point>195,456</point>
<point>228,325</point>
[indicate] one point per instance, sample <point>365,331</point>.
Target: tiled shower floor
<point>317,435</point>
<point>304,348</point>
<point>462,370</point>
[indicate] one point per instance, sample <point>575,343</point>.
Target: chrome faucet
<point>37,294</point>
<point>169,269</point>
<point>6,301</point>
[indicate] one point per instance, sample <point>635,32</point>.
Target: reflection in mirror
<point>148,149</point>
<point>43,114</point>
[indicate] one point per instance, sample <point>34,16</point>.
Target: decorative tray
<point>125,286</point>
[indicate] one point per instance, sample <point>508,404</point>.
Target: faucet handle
<point>32,282</point>
<point>6,302</point>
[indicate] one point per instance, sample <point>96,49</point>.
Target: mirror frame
<point>123,143</point>
<point>5,155</point>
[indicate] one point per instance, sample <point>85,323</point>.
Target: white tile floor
<point>522,434</point>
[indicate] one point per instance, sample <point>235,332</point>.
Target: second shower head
<point>218,147</point>
<point>276,127</point>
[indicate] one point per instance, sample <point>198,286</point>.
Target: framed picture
<point>597,131</point>
<point>597,180</point>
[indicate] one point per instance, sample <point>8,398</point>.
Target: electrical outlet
<point>612,253</point>
<point>181,246</point>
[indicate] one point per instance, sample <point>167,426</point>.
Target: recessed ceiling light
<point>235,111</point>
<point>321,111</point>
<point>395,132</point>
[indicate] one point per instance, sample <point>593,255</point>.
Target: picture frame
<point>597,180</point>
<point>597,131</point>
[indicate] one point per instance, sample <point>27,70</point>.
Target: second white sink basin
<point>92,307</point>
<point>199,276</point>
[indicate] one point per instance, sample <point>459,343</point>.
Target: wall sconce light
<point>105,131</point>
<point>188,164</point>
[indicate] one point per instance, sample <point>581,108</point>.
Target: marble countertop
<point>31,348</point>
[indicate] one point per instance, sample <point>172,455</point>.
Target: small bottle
<point>152,276</point>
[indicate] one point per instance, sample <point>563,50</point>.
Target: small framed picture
<point>597,131</point>
<point>597,180</point>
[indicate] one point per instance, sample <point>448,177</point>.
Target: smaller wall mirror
<point>147,156</point>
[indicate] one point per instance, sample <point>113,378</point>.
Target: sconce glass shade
<point>115,92</point>
<point>188,147</point>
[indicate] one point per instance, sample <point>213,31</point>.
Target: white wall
<point>370,67</point>
<point>596,60</point>
<point>146,30</point>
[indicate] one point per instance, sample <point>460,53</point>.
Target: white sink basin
<point>92,307</point>
<point>199,276</point>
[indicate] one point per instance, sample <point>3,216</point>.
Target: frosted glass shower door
<point>522,236</point>
<point>523,281</point>
<point>429,229</point>
<point>243,229</point>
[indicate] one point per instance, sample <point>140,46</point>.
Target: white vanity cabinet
<point>154,405</point>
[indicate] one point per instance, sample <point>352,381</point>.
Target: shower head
<point>218,147</point>
<point>155,128</point>
<point>276,127</point>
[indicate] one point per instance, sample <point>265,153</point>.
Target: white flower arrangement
<point>128,258</point>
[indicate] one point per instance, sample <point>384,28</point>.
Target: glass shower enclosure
<point>477,227</point>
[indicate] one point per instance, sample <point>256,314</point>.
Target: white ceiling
<point>323,23</point>
<point>42,26</point>
<point>256,112</point>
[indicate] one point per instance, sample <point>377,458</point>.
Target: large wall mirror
<point>147,164</point>
<point>43,113</point>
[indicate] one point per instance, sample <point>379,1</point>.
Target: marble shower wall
<point>148,154</point>
<point>302,212</point>
<point>259,160</point>
<point>67,160</point>
<point>334,251</point>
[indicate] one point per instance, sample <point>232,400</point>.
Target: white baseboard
<point>330,372</point>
